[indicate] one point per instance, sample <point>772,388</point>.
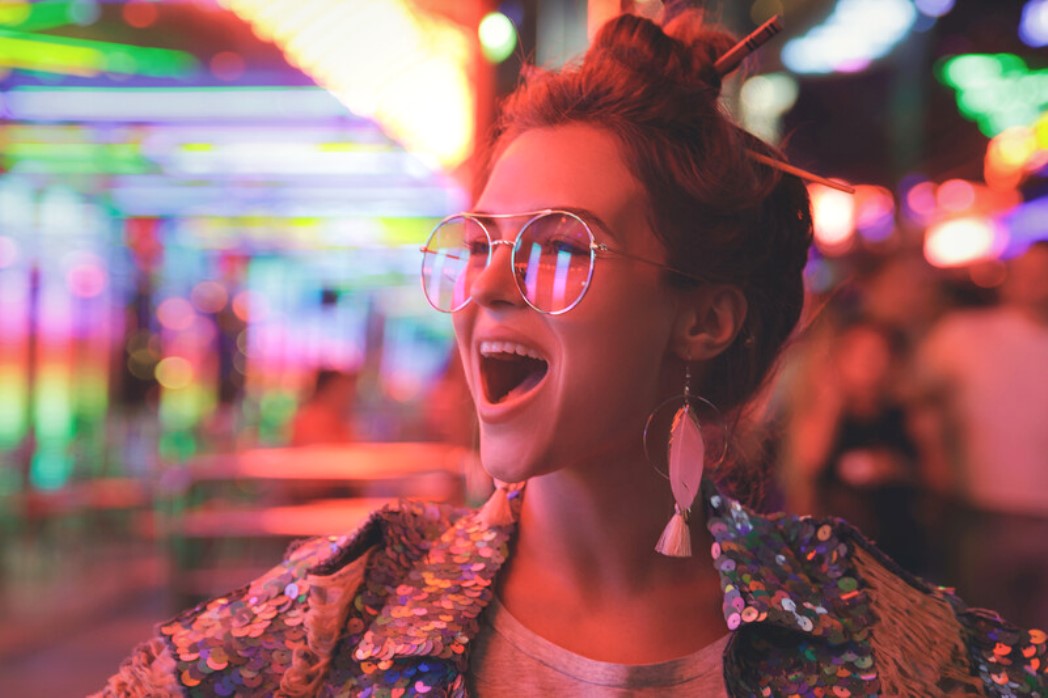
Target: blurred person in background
<point>326,415</point>
<point>983,375</point>
<point>634,259</point>
<point>851,452</point>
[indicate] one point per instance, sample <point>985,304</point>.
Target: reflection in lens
<point>445,279</point>
<point>531,274</point>
<point>558,261</point>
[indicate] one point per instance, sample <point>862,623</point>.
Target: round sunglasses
<point>552,257</point>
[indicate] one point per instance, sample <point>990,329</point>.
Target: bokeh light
<point>955,195</point>
<point>140,13</point>
<point>87,276</point>
<point>498,36</point>
<point>962,241</point>
<point>176,314</point>
<point>209,296</point>
<point>833,214</point>
<point>934,8</point>
<point>227,66</point>
<point>855,34</point>
<point>174,372</point>
<point>1033,27</point>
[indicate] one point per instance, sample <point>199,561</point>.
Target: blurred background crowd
<point>212,338</point>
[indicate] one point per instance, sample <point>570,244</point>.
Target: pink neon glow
<point>87,276</point>
<point>955,195</point>
<point>176,314</point>
<point>962,241</point>
<point>921,199</point>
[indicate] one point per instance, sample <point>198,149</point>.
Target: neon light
<point>164,105</point>
<point>14,356</point>
<point>833,217</point>
<point>52,465</point>
<point>176,314</point>
<point>174,373</point>
<point>920,199</point>
<point>1015,153</point>
<point>1025,222</point>
<point>37,16</point>
<point>383,59</point>
<point>962,241</point>
<point>934,8</point>
<point>874,212</point>
<point>996,91</point>
<point>1033,27</point>
<point>88,58</point>
<point>209,296</point>
<point>87,276</point>
<point>857,33</point>
<point>140,14</point>
<point>87,158</point>
<point>955,195</point>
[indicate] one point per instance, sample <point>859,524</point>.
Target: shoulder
<point>814,601</point>
<point>278,630</point>
<point>889,626</point>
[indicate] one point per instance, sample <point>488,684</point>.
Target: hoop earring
<point>695,438</point>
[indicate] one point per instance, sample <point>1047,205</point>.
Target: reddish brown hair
<point>722,216</point>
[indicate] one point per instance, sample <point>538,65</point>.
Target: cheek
<point>462,322</point>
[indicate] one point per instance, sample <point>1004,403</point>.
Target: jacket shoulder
<point>277,631</point>
<point>924,639</point>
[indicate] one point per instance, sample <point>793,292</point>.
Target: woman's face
<point>602,363</point>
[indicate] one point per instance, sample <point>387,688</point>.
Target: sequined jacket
<point>391,609</point>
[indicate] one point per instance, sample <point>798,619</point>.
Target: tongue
<point>509,375</point>
<point>527,384</point>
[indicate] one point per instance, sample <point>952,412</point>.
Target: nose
<point>495,285</point>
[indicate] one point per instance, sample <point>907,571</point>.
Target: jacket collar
<point>795,573</point>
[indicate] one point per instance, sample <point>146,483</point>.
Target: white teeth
<point>489,348</point>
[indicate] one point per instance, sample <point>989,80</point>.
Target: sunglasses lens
<point>457,250</point>
<point>553,260</point>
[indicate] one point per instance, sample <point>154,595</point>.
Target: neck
<point>595,529</point>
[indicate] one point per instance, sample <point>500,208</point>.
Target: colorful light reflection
<point>383,59</point>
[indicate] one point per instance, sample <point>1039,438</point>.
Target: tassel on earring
<point>686,455</point>
<point>497,510</point>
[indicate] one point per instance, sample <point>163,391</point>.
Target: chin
<point>510,459</point>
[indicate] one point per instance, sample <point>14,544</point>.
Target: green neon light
<point>996,91</point>
<point>406,231</point>
<point>52,407</point>
<point>88,58</point>
<point>38,16</point>
<point>28,54</point>
<point>52,465</point>
<point>14,408</point>
<point>76,158</point>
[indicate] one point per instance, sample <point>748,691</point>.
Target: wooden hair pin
<point>798,172</point>
<point>731,60</point>
<point>757,38</point>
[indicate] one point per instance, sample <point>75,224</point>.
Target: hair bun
<point>703,41</point>
<point>684,51</point>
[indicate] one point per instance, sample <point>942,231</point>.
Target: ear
<point>708,320</point>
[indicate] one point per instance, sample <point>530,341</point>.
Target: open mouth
<point>509,370</point>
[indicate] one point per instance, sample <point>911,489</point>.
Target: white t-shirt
<point>995,365</point>
<point>510,660</point>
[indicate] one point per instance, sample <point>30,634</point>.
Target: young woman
<point>632,261</point>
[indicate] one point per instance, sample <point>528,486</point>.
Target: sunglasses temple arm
<point>798,172</point>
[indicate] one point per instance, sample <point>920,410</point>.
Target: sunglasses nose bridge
<point>493,285</point>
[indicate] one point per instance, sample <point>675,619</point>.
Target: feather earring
<point>686,456</point>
